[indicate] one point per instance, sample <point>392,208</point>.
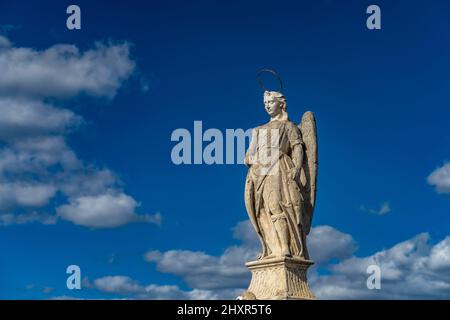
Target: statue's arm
<point>249,155</point>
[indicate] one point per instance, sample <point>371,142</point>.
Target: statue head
<point>274,103</point>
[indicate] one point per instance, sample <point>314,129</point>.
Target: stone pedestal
<point>282,278</point>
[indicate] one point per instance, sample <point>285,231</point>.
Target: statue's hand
<point>248,161</point>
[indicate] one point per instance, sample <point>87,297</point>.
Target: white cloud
<point>384,208</point>
<point>30,118</point>
<point>35,161</point>
<point>126,286</point>
<point>440,256</point>
<point>203,271</point>
<point>245,232</point>
<point>87,181</point>
<point>326,243</point>
<point>118,284</point>
<point>63,71</point>
<point>25,195</point>
<point>412,269</point>
<point>227,271</point>
<point>440,179</point>
<point>46,158</point>
<point>7,219</point>
<point>107,210</point>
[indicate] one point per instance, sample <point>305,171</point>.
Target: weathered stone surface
<point>280,278</point>
<point>280,192</point>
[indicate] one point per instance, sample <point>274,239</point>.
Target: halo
<point>271,71</point>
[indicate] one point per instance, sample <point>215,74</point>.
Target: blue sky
<point>380,97</point>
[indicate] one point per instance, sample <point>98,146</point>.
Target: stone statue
<point>280,193</point>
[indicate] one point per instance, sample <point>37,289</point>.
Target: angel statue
<point>280,187</point>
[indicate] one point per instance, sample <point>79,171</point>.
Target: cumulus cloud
<point>408,271</point>
<point>25,195</point>
<point>203,271</point>
<point>63,71</point>
<point>412,269</point>
<point>29,118</point>
<point>88,181</point>
<point>439,259</point>
<point>245,232</point>
<point>326,243</point>
<point>227,271</point>
<point>118,284</point>
<point>127,287</point>
<point>104,211</point>
<point>35,161</point>
<point>440,179</point>
<point>7,219</point>
<point>40,157</point>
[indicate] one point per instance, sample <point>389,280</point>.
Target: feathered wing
<point>308,177</point>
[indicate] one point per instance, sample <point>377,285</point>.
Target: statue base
<point>280,278</point>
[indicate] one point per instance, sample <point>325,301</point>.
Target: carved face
<point>272,105</point>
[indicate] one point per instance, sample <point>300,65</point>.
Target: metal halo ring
<point>271,71</point>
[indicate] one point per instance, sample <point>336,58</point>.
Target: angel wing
<point>308,176</point>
